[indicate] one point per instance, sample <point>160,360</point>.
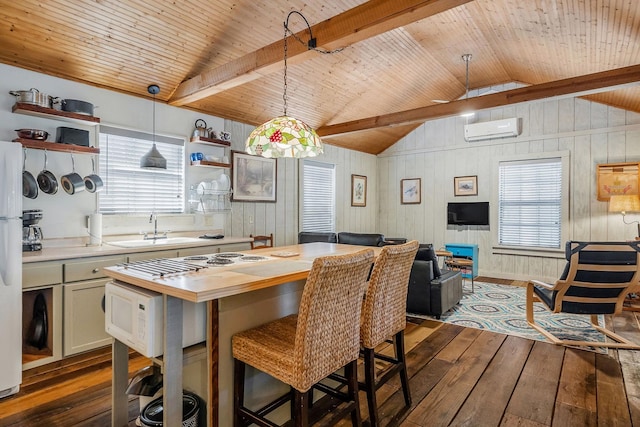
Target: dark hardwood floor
<point>458,377</point>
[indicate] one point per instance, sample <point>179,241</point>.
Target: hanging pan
<point>29,184</point>
<point>93,183</point>
<point>72,182</point>
<point>46,179</point>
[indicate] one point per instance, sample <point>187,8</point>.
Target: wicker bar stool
<point>300,350</point>
<point>384,316</point>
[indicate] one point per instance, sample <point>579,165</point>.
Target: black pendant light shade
<point>153,159</point>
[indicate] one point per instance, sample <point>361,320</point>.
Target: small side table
<point>464,265</point>
<point>446,255</point>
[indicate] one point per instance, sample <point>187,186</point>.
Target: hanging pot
<point>93,183</point>
<point>72,182</point>
<point>29,184</point>
<point>47,181</point>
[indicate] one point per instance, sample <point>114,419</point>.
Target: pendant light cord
<point>311,45</point>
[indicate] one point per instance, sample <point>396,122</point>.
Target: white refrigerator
<point>10,267</point>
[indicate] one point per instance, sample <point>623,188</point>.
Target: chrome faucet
<point>154,218</point>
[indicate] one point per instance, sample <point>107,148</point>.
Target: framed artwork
<point>410,191</point>
<point>465,185</point>
<point>358,190</point>
<point>253,178</point>
<point>617,179</point>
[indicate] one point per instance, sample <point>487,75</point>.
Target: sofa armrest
<point>419,291</point>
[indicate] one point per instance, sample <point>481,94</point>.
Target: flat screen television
<point>472,213</point>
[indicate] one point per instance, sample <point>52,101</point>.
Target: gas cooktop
<point>224,258</point>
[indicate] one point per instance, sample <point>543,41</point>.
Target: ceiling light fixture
<point>467,58</point>
<point>285,136</point>
<point>153,159</point>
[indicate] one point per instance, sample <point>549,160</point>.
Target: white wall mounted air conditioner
<point>494,129</point>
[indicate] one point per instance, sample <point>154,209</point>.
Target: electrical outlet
<point>250,219</point>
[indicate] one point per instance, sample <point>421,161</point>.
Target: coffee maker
<point>31,232</point>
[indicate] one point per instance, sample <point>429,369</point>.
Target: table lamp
<point>624,204</point>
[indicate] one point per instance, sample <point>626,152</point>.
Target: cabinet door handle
<point>95,270</point>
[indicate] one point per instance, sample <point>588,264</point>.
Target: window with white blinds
<point>130,189</point>
<point>530,203</point>
<point>318,196</point>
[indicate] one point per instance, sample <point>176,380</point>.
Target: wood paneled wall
<point>281,218</point>
<point>436,152</point>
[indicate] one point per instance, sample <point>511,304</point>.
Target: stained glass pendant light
<point>285,136</point>
<point>153,159</point>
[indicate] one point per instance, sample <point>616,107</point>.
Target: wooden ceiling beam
<point>360,23</point>
<point>575,86</point>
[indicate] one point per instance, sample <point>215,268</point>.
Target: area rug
<point>502,309</point>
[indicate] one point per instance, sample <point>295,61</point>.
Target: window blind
<point>530,203</point>
<point>318,205</point>
<point>130,189</point>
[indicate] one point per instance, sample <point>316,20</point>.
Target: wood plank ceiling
<point>398,56</point>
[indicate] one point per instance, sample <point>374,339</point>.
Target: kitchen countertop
<point>61,250</point>
<point>218,282</point>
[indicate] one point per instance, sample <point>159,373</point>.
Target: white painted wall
<point>436,152</point>
<point>65,215</point>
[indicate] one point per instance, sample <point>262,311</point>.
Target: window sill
<point>535,252</point>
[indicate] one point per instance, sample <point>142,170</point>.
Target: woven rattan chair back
<point>327,332</point>
<point>384,308</point>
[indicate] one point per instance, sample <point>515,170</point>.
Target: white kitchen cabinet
<point>33,356</point>
<point>84,317</point>
<point>83,291</point>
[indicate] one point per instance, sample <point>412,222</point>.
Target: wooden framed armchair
<point>597,278</point>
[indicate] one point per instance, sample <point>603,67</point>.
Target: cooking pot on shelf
<point>201,129</point>
<point>32,96</point>
<point>32,134</point>
<point>77,106</point>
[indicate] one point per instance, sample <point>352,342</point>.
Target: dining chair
<point>302,349</point>
<point>261,241</point>
<point>383,319</point>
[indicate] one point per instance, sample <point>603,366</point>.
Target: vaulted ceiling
<point>396,59</point>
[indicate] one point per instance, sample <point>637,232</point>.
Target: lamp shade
<point>284,136</point>
<point>624,203</point>
<point>153,159</point>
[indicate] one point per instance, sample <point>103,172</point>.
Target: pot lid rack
<point>51,113</point>
<point>56,146</point>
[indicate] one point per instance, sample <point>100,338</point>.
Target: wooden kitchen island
<point>238,297</point>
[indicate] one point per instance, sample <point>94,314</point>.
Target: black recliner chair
<point>432,291</point>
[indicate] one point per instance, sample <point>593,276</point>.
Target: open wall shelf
<point>55,146</point>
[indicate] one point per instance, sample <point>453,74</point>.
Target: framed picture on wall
<point>410,191</point>
<point>465,185</point>
<point>358,190</point>
<point>253,178</point>
<point>617,179</point>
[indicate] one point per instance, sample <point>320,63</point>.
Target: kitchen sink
<point>141,243</point>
